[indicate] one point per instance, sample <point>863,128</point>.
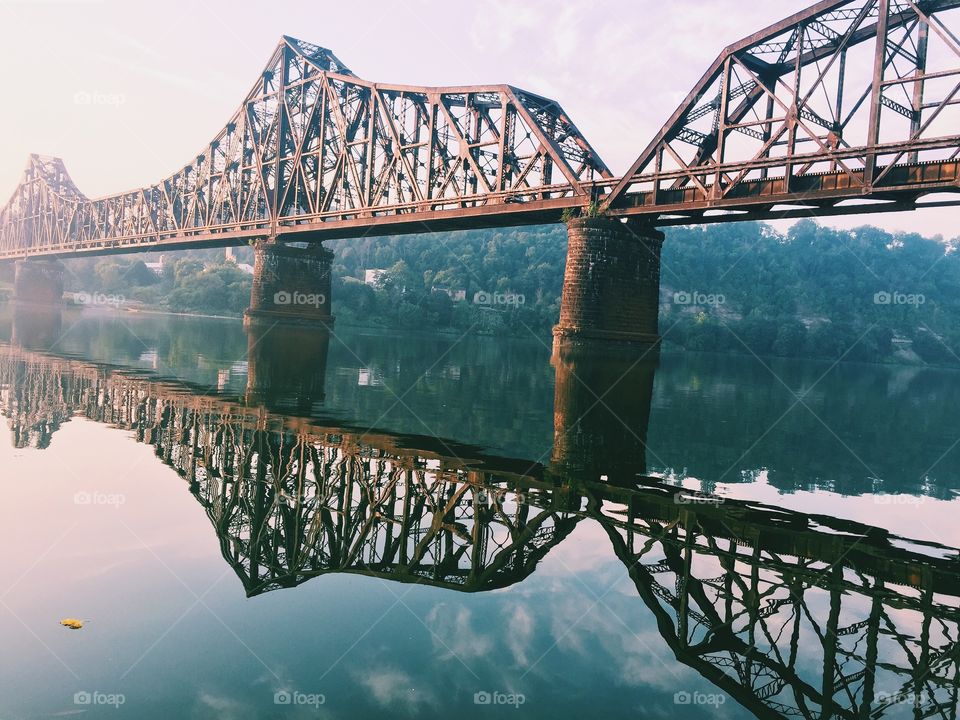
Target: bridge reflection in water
<point>792,615</point>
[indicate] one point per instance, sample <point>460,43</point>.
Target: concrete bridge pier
<point>38,281</point>
<point>611,287</point>
<point>291,284</point>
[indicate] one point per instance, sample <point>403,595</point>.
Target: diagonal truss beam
<point>312,148</point>
<point>784,89</point>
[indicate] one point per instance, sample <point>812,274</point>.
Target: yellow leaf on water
<point>72,623</point>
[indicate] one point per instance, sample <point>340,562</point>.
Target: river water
<point>271,522</point>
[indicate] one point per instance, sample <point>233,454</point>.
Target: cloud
<point>520,630</point>
<point>393,688</point>
<point>454,635</point>
<point>223,707</point>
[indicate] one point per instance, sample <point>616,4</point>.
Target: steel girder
<point>313,147</point>
<point>850,100</point>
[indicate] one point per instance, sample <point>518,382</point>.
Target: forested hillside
<point>813,291</point>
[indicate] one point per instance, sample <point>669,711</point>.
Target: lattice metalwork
<point>291,501</point>
<point>848,102</point>
<point>315,148</point>
<point>795,616</point>
<point>852,106</point>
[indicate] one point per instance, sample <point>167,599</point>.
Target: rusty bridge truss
<point>851,106</point>
<point>315,148</point>
<point>784,612</point>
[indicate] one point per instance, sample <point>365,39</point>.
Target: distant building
<point>372,277</point>
<point>455,295</point>
<point>156,267</point>
<point>244,267</point>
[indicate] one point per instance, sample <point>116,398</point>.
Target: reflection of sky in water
<point>921,517</point>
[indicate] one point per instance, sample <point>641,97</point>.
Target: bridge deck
<point>832,193</point>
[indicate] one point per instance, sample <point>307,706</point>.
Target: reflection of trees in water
<point>792,615</point>
<point>492,392</point>
<point>451,372</point>
<point>893,423</point>
<point>707,409</point>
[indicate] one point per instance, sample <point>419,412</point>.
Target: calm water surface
<point>276,523</point>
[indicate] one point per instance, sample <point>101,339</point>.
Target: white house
<point>156,267</point>
<point>372,277</point>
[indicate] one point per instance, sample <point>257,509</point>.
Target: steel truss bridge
<point>736,588</point>
<point>851,106</point>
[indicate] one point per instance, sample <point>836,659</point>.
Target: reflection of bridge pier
<point>291,284</point>
<point>611,286</point>
<point>601,411</point>
<point>36,326</point>
<point>38,281</point>
<point>281,379</point>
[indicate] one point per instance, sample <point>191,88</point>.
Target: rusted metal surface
<point>314,147</point>
<point>852,106</point>
<point>848,100</point>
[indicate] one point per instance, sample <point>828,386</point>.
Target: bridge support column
<point>611,288</point>
<point>39,282</point>
<point>291,284</point>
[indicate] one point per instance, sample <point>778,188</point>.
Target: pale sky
<point>127,92</point>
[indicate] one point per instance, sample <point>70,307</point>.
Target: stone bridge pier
<point>611,287</point>
<point>38,282</point>
<point>291,284</point>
